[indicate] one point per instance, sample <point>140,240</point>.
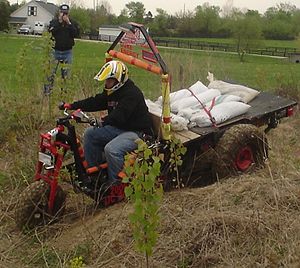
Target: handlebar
<point>77,115</point>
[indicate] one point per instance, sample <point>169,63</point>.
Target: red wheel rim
<point>244,158</point>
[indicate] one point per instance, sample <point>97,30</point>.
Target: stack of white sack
<point>247,94</point>
<point>190,111</point>
<point>196,88</point>
<point>196,100</point>
<point>222,100</point>
<point>178,123</point>
<point>219,113</point>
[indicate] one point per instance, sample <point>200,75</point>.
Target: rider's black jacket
<point>126,107</point>
<point>63,34</point>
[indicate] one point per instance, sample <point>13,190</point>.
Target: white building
<point>108,33</point>
<point>31,12</point>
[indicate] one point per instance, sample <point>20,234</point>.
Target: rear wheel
<point>241,149</point>
<point>32,207</point>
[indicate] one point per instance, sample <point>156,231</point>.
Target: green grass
<point>3,179</point>
<point>186,67</point>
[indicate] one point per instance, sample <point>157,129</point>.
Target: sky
<point>173,6</point>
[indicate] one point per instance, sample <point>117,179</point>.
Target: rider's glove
<point>94,122</point>
<point>64,105</point>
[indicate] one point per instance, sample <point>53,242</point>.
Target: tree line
<point>280,22</point>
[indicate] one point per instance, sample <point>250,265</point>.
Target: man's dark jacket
<point>126,107</point>
<point>63,34</point>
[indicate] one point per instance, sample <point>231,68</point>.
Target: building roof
<point>50,7</point>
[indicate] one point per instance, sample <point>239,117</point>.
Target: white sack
<point>176,95</point>
<point>221,113</point>
<point>198,87</point>
<point>187,113</point>
<point>190,111</point>
<point>222,98</point>
<point>200,119</point>
<point>247,94</point>
<point>153,107</point>
<point>204,97</point>
<point>178,123</point>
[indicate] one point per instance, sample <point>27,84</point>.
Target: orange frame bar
<point>136,62</point>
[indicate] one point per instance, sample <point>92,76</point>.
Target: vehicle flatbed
<point>266,109</point>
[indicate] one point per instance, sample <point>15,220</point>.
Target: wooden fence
<point>200,45</point>
<point>271,51</point>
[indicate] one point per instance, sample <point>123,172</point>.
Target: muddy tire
<point>32,207</point>
<point>241,149</point>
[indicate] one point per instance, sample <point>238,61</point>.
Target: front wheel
<point>32,207</point>
<point>241,149</point>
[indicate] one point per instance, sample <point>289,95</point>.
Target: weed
<point>77,262</point>
<point>3,179</point>
<point>46,257</point>
<point>83,250</point>
<point>288,86</point>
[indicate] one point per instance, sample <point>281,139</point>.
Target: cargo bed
<point>266,109</point>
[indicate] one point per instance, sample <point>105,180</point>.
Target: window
<point>32,10</point>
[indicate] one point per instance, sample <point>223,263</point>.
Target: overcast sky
<point>173,6</point>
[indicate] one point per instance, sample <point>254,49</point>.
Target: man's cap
<point>64,8</point>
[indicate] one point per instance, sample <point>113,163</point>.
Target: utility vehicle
<point>236,146</point>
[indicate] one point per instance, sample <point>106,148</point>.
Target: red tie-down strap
<point>204,108</point>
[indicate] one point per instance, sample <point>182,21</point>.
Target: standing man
<point>63,30</point>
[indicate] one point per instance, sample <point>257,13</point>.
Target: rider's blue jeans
<point>111,144</point>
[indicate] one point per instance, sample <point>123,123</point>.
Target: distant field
<point>186,67</point>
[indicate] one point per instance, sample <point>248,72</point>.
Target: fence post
<point>181,76</point>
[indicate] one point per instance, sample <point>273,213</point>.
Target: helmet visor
<point>104,73</point>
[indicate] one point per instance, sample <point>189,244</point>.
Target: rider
<point>127,120</point>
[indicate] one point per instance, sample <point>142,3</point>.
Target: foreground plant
<point>146,191</point>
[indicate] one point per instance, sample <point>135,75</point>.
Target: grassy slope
<point>247,221</point>
<point>244,222</point>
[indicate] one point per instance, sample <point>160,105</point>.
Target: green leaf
<point>183,150</point>
<point>156,159</point>
<point>128,191</point>
<point>148,184</point>
<point>147,153</point>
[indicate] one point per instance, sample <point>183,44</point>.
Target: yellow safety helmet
<point>113,69</point>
